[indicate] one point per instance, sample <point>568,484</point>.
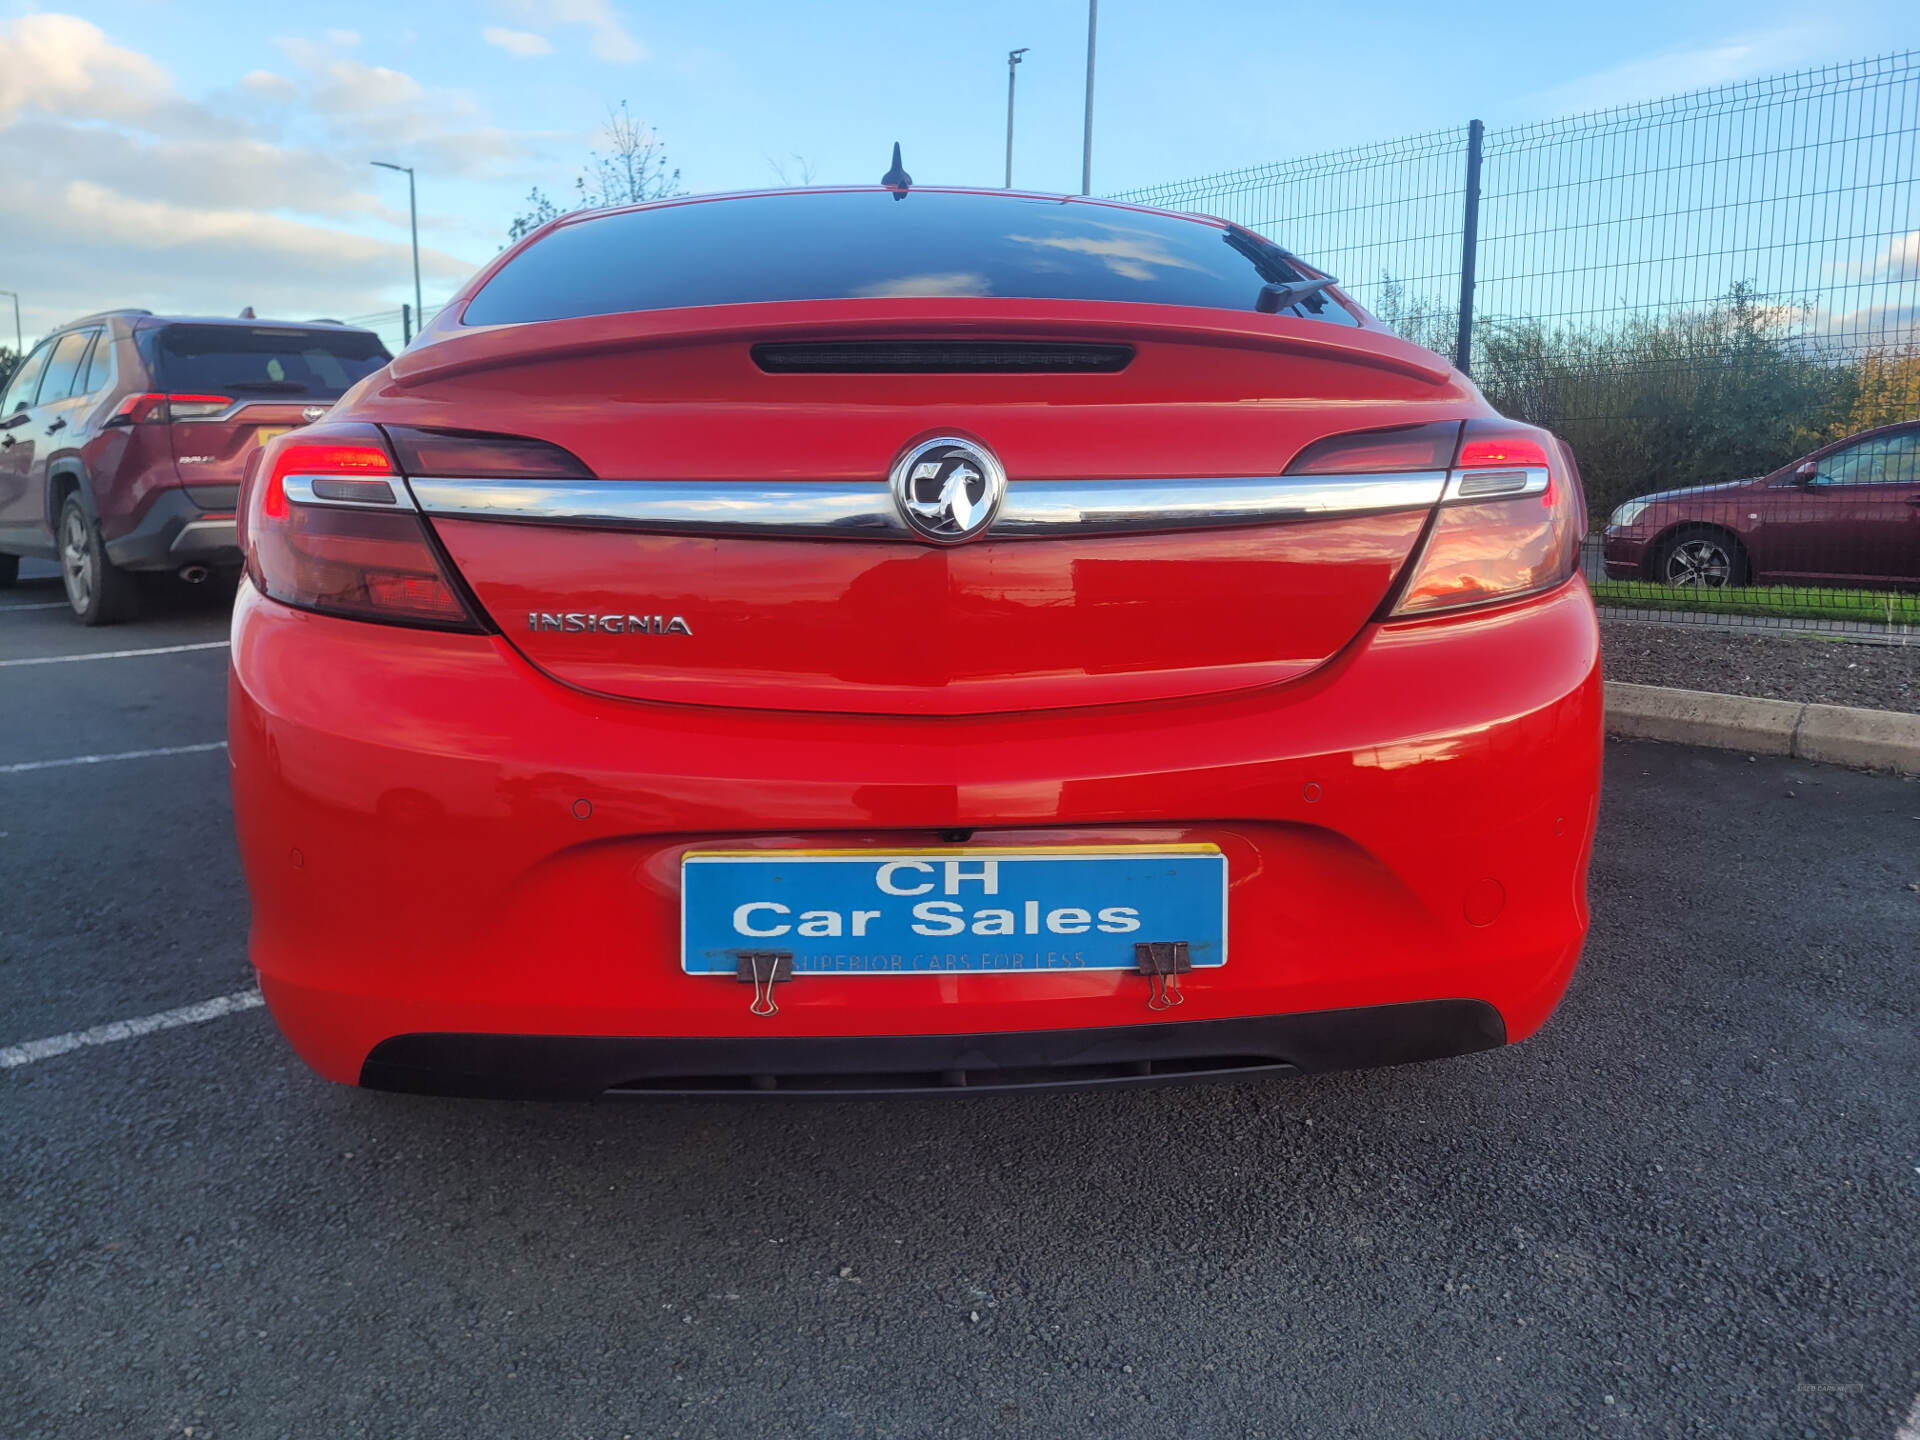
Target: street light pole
<point>19,346</point>
<point>413,220</point>
<point>1013,59</point>
<point>1086,143</point>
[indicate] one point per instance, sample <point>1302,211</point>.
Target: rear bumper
<point>442,843</point>
<point>575,1067</point>
<point>175,531</point>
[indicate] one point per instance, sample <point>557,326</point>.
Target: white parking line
<point>50,605</point>
<point>32,1050</point>
<point>115,654</point>
<point>23,766</point>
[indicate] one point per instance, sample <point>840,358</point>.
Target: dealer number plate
<point>908,912</point>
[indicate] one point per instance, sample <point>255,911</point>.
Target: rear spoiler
<point>452,350</point>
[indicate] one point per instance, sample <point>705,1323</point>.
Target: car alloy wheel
<point>77,567</point>
<point>1700,564</point>
<point>98,590</point>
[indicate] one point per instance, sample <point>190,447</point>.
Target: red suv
<point>123,437</point>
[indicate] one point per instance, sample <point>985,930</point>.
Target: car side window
<point>26,380</point>
<point>64,366</point>
<point>99,371</point>
<point>1889,460</point>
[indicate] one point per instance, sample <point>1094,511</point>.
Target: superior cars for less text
<point>873,639</point>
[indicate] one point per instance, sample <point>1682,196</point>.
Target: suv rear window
<point>243,360</point>
<point>832,245</point>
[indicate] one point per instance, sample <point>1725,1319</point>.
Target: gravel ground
<point>1774,667</point>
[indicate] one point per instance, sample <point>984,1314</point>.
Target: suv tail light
<point>1509,524</point>
<point>328,525</point>
<point>154,409</point>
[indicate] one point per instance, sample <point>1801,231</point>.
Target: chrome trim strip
<point>299,490</point>
<point>1032,510</point>
<point>815,508</point>
<point>1506,482</point>
<point>1104,507</point>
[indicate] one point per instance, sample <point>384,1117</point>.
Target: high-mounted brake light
<point>328,525</point>
<point>158,409</point>
<point>1509,524</point>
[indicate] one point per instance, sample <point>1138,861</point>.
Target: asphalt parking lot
<point>1690,1206</point>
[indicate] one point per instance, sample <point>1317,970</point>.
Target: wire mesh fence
<point>1715,294</point>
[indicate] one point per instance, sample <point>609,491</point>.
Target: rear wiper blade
<point>1275,298</point>
<point>1287,284</point>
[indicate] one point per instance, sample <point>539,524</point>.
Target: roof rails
<point>105,314</point>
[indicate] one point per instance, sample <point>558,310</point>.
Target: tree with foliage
<point>1680,397</point>
<point>1888,390</point>
<point>631,168</point>
<point>9,362</point>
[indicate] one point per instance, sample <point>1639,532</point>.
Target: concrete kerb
<point>1829,734</point>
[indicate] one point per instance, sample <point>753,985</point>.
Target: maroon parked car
<point>123,437</point>
<point>1848,514</point>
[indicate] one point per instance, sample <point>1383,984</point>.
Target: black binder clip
<point>1163,962</point>
<point>764,969</point>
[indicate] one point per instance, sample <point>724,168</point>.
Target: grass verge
<point>1873,607</point>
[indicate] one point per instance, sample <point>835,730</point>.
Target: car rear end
<point>591,685</point>
<point>201,399</point>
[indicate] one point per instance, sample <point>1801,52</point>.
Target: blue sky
<point>208,155</point>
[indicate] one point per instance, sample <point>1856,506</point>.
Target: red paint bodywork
<point>1406,807</point>
<point>405,803</point>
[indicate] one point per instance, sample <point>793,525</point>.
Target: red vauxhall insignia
<point>876,639</point>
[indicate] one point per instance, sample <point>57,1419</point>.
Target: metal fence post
<point>1469,249</point>
<point>406,317</point>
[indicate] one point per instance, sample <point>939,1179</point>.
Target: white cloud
<point>123,191</point>
<point>1672,72</point>
<point>608,36</point>
<point>88,246</point>
<point>63,65</point>
<point>1896,263</point>
<point>1900,260</point>
<point>523,43</point>
<point>265,82</point>
<point>373,107</point>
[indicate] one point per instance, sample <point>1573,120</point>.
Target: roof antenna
<point>897,179</point>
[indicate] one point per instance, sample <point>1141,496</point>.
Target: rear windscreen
<point>832,245</point>
<point>240,360</point>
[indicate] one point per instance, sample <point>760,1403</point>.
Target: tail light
<point>1407,449</point>
<point>328,525</point>
<point>1511,511</point>
<point>1509,523</point>
<point>155,409</point>
<point>472,456</point>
